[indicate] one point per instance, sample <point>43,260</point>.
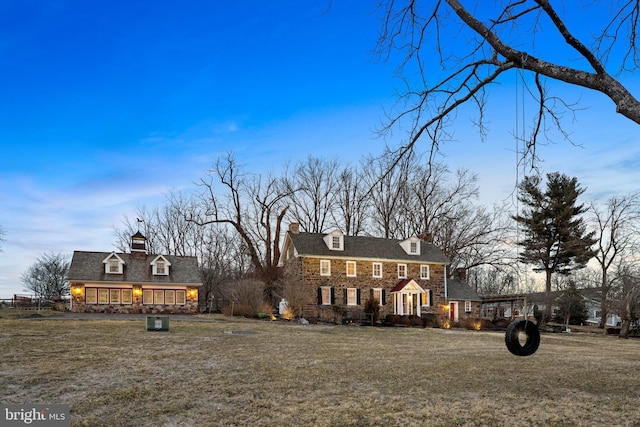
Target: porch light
<point>77,290</point>
<point>137,292</point>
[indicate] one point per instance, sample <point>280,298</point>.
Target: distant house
<point>339,273</point>
<point>135,282</point>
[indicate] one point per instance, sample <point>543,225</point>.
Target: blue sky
<point>107,106</point>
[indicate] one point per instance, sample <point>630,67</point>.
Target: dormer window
<point>335,240</point>
<point>160,266</point>
<point>411,246</point>
<point>113,264</point>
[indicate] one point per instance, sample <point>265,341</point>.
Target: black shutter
<point>344,294</point>
<point>358,296</point>
<point>384,297</point>
<point>430,298</point>
<point>333,296</point>
<point>319,296</point>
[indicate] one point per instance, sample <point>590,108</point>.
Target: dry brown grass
<point>114,373</point>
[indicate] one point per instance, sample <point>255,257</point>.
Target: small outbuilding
<point>135,282</point>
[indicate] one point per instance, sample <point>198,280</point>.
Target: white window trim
<point>355,272</point>
<point>91,295</point>
<point>102,292</point>
<point>322,293</point>
<point>126,297</point>
<point>159,260</point>
<point>147,296</point>
<point>169,292</point>
<point>467,306</point>
<point>428,292</point>
<point>107,264</point>
<point>328,264</point>
<point>406,246</point>
<point>373,272</point>
<point>181,297</point>
<point>402,276</point>
<point>329,239</point>
<point>428,272</point>
<point>355,297</point>
<point>379,290</point>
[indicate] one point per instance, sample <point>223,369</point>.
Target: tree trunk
<point>547,299</point>
<point>626,320</point>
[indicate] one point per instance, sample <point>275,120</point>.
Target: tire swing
<point>512,337</point>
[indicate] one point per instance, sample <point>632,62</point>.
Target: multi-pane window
<point>103,296</point>
<point>424,298</point>
<point>181,297</point>
<point>127,296</point>
<point>424,272</point>
<point>170,297</point>
<point>377,269</point>
<point>114,266</point>
<point>325,295</point>
<point>377,294</point>
<point>402,271</point>
<point>147,296</point>
<point>91,295</point>
<point>114,295</point>
<point>325,267</point>
<point>335,242</point>
<point>158,297</point>
<point>413,247</point>
<point>160,268</point>
<point>352,296</point>
<point>467,306</point>
<point>351,269</point>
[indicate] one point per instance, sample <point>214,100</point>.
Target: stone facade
<point>403,289</point>
<point>79,304</point>
<point>364,281</point>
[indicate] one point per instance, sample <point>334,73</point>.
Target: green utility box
<point>158,323</point>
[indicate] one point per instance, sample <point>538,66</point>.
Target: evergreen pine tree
<point>555,236</point>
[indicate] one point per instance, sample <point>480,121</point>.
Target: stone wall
<point>306,273</point>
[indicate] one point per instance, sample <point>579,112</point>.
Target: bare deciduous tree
<point>351,203</point>
<point>497,37</point>
<point>254,207</point>
<point>386,181</point>
<point>628,294</point>
<point>444,207</point>
<point>47,277</point>
<point>616,227</point>
<point>312,187</point>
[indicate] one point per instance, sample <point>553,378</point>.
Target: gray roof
<point>89,267</point>
<point>312,244</point>
<point>457,290</point>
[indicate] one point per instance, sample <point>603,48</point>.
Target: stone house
<point>135,282</point>
<point>339,273</point>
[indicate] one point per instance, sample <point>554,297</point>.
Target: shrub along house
<point>135,282</point>
<point>340,273</point>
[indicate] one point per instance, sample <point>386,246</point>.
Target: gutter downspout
<point>446,294</point>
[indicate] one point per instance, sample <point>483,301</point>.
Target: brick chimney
<point>294,228</point>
